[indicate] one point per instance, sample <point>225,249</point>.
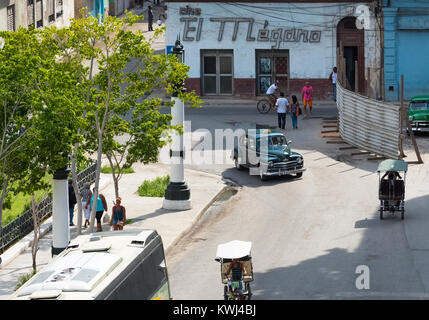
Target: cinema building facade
<point>238,48</point>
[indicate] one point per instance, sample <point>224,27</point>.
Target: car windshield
<point>278,141</point>
<point>419,105</point>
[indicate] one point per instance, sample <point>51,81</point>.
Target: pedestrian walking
<point>294,112</point>
<point>333,78</point>
<point>307,98</point>
<point>150,18</point>
<point>101,206</point>
<point>118,215</point>
<point>86,194</point>
<point>72,201</point>
<point>282,105</point>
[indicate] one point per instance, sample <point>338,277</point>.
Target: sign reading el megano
<point>193,28</point>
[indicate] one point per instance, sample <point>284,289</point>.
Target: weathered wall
<point>311,59</point>
<point>406,48</point>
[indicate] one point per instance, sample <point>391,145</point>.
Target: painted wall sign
<point>189,11</point>
<point>193,31</point>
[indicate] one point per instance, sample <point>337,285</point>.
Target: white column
<point>60,216</point>
<point>177,194</point>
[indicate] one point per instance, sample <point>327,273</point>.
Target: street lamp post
<point>60,212</point>
<point>177,193</point>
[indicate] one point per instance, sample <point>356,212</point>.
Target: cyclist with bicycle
<point>274,88</point>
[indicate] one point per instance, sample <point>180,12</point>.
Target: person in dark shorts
<point>101,206</point>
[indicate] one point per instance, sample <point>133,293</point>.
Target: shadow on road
<point>388,247</point>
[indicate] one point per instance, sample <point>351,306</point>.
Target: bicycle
<point>265,105</point>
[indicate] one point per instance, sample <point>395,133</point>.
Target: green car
<point>418,113</point>
<point>267,153</point>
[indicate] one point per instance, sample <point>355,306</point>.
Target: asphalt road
<point>310,234</point>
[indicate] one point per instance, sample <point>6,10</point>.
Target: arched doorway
<point>351,55</point>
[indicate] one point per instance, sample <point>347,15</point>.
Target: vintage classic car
<point>267,153</point>
<point>418,113</point>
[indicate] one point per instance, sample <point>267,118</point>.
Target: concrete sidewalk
<point>145,213</point>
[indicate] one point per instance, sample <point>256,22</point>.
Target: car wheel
<point>299,175</point>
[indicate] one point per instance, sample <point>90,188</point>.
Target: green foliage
<point>108,169</point>
<point>24,278</point>
<point>154,188</point>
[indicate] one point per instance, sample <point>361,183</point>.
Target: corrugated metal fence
<point>368,124</point>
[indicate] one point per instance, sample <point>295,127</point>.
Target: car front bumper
<point>420,126</point>
<point>283,172</point>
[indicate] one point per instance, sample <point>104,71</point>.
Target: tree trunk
<point>36,228</point>
<point>76,191</point>
<point>114,175</point>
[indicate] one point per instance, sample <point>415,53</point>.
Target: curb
<point>194,220</point>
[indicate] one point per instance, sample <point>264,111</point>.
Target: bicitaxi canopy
<point>235,249</point>
<point>392,165</point>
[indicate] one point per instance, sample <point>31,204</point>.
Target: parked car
<point>418,113</point>
<point>274,158</point>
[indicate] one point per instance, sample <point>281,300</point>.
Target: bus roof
<point>87,266</point>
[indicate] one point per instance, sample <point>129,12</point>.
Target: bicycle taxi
<point>235,252</point>
<point>392,186</point>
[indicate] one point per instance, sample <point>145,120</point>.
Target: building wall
<point>21,13</point>
<point>308,60</point>
<point>118,7</point>
<point>406,47</point>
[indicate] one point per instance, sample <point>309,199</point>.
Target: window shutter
<point>59,7</point>
<point>39,14</point>
<point>51,10</point>
<point>11,18</point>
<point>30,12</point>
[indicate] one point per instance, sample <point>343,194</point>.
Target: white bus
<point>112,265</point>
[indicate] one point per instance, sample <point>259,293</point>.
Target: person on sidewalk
<point>118,215</point>
<point>150,18</point>
<point>101,206</point>
<point>333,78</point>
<point>307,98</point>
<point>72,201</point>
<point>294,112</point>
<point>282,105</point>
<point>86,194</point>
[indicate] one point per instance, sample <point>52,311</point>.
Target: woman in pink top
<point>307,97</point>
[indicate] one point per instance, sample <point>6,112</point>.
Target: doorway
<point>351,55</point>
<point>272,65</point>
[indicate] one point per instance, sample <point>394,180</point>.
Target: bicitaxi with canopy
<point>391,192</point>
<point>226,252</point>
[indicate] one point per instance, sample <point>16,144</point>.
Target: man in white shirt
<point>282,105</point>
<point>333,78</point>
<point>271,90</point>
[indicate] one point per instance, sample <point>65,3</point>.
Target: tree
<point>127,70</point>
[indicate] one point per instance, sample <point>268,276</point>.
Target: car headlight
<point>299,160</point>
<point>411,118</point>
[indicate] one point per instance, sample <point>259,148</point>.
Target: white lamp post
<point>177,194</point>
<point>60,212</point>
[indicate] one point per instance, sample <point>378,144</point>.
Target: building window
<point>11,18</point>
<point>30,13</point>
<point>39,14</point>
<point>272,65</point>
<point>217,72</point>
